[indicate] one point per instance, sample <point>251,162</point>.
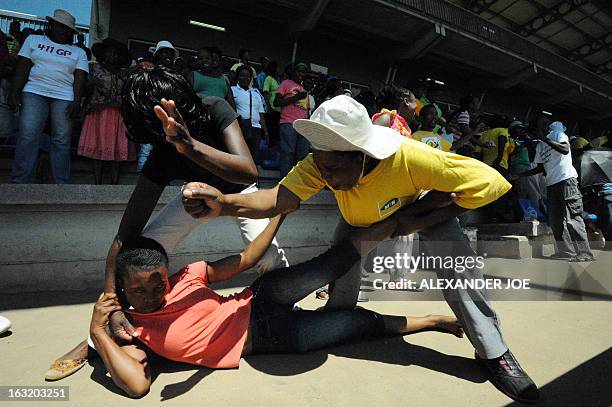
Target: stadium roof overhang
<point>440,32</point>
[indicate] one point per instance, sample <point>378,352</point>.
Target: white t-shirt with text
<point>53,67</point>
<point>558,167</point>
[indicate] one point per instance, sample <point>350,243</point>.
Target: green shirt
<point>205,85</point>
<point>271,86</point>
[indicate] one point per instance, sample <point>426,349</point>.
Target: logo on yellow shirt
<point>432,142</point>
<point>387,208</point>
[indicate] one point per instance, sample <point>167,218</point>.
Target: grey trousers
<point>471,307</point>
<point>565,218</point>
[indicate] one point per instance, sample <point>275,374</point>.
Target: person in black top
<point>214,141</point>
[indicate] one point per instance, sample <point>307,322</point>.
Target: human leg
<point>250,229</point>
<point>33,116</point>
<point>557,220</point>
<point>61,132</point>
<point>573,218</point>
<point>171,225</point>
<point>472,307</point>
<point>288,142</point>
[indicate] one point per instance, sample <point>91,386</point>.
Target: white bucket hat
<point>63,17</point>
<point>166,44</point>
<point>343,124</point>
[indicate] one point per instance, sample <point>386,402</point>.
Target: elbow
<point>137,390</point>
<point>250,175</point>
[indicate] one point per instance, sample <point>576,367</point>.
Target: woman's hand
<point>73,110</point>
<point>174,126</point>
<point>202,201</point>
<point>106,304</point>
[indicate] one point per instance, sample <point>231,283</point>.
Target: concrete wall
<point>55,237</point>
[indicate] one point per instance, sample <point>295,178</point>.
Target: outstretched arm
<point>205,202</point>
<point>127,365</point>
<point>231,266</point>
<point>234,166</point>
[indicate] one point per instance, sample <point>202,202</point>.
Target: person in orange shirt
<point>183,319</point>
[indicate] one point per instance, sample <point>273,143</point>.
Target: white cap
<point>343,124</point>
<point>166,44</point>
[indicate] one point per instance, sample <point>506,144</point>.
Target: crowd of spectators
<point>50,79</point>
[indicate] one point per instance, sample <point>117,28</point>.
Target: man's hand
<point>73,110</point>
<point>202,201</point>
<point>107,303</point>
<point>174,126</point>
<point>121,327</point>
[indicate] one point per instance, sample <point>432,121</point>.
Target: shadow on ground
<point>586,385</point>
<point>388,350</point>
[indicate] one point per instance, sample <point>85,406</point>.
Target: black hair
<point>244,67</point>
<point>466,100</point>
<point>498,121</point>
<point>426,109</point>
<point>242,52</point>
<point>271,68</point>
<point>215,50</point>
<point>391,96</point>
<point>144,88</point>
<point>140,253</point>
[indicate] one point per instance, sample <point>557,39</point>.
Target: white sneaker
<point>5,324</point>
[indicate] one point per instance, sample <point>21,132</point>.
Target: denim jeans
<point>143,154</point>
<point>276,327</point>
<point>35,110</point>
<point>293,148</point>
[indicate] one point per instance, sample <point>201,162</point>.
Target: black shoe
<point>509,377</point>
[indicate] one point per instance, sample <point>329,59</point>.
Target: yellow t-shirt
<point>400,179</point>
<point>432,140</point>
<point>490,154</point>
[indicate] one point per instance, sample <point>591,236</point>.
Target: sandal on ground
<point>63,368</point>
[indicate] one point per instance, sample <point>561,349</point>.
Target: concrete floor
<point>564,345</point>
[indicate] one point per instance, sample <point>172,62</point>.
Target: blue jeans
<point>276,327</point>
<point>143,154</point>
<point>293,148</point>
<point>35,110</point>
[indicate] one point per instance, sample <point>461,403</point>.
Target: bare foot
<point>446,324</point>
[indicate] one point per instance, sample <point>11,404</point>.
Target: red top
<point>398,123</point>
<point>196,325</point>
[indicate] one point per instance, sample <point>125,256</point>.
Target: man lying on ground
<point>177,316</point>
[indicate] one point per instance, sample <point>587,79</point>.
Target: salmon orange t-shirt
<point>196,325</point>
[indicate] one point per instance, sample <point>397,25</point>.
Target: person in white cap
<point>375,172</point>
<point>165,54</point>
<point>48,82</point>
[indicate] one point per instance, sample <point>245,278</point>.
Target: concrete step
<point>82,172</point>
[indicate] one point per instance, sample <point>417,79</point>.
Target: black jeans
<point>276,327</point>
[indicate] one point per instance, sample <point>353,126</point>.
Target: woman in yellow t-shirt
<point>376,173</point>
<point>426,135</point>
